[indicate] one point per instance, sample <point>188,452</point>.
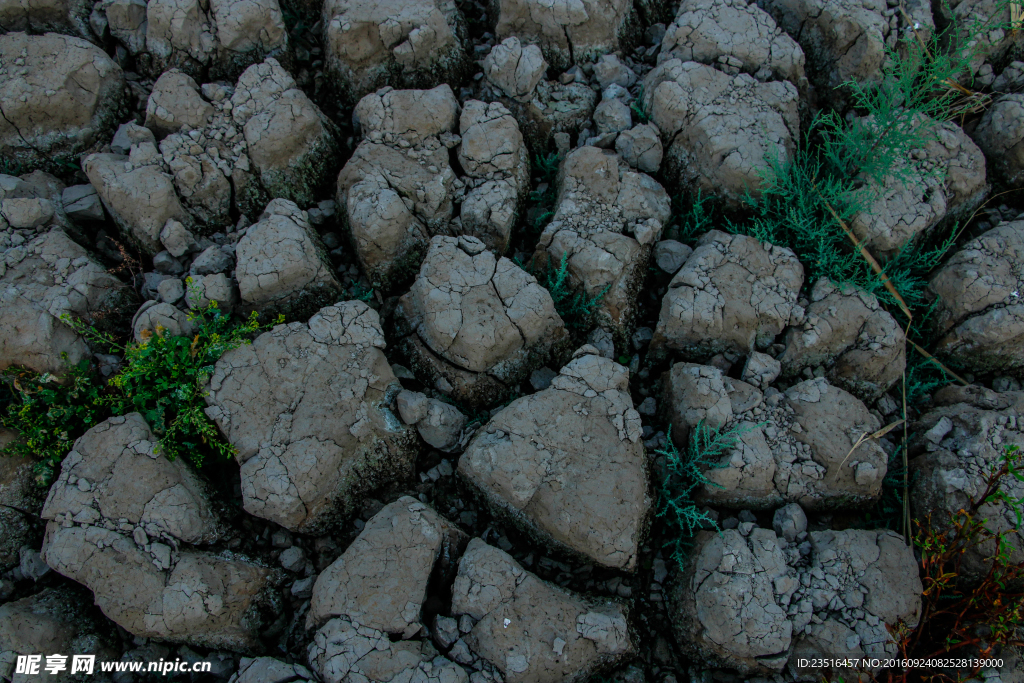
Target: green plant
<point>684,473</point>
<point>691,215</point>
<point>639,110</point>
<point>164,375</point>
<point>575,308</point>
<point>48,414</point>
<point>543,199</point>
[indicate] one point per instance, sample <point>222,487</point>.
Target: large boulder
<point>404,44</point>
<point>70,17</point>
<point>474,325</point>
<point>515,68</point>
<point>381,580</point>
<point>344,651</point>
<point>735,36</point>
<point>539,463</point>
<point>846,40</point>
<point>847,332</point>
<point>21,499</point>
<point>734,294</point>
<point>945,184</point>
<point>956,445</point>
<point>60,95</point>
<point>979,316</point>
<point>531,630</point>
<point>54,621</point>
<point>494,158</point>
<point>283,266</point>
<point>221,37</point>
<point>606,221</point>
<point>154,591</point>
<point>308,406</point>
<point>41,279</point>
<point>396,190</point>
<point>796,446</point>
<point>1000,134</point>
<point>720,130</point>
<point>756,602</point>
<point>569,32</point>
<point>116,476</point>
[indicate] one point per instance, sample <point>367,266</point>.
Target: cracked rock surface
<point>475,325</point>
<point>270,670</point>
<point>980,315</point>
<point>796,446</point>
<point>1000,134</point>
<point>18,493</point>
<point>309,408</point>
<point>380,581</point>
<point>733,294</point>
<point>719,129</point>
<point>607,220</point>
<point>568,31</point>
<point>946,182</point>
<point>956,445</point>
<point>43,277</point>
<point>756,602</point>
<point>860,345</point>
<point>567,463</point>
<point>282,264</point>
<point>735,36</point>
<point>58,95</point>
<point>403,44</point>
<point>532,630</point>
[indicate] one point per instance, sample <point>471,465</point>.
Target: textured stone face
<point>861,346</point>
<point>53,620</point>
<point>380,581</point>
<point>60,94</point>
<point>309,409</point>
<point>282,265</point>
<point>791,447</point>
<point>734,34</point>
<point>720,129</point>
<point>181,596</point>
<point>115,474</point>
<point>568,31</point>
<point>606,222</point>
<point>733,294</point>
<point>956,444</point>
<point>979,314</point>
<point>476,322</point>
<point>515,68</point>
<point>532,630</point>
<point>1000,134</point>
<point>44,278</point>
<point>539,462</point>
<point>747,597</point>
<point>408,43</point>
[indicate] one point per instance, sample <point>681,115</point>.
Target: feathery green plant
<point>575,307</point>
<point>684,473</point>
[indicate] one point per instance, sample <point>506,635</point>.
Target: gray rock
<point>46,277</point>
<point>446,631</point>
<point>270,670</point>
<point>366,48</point>
<point>18,492</point>
<point>612,116</point>
<point>640,147</point>
<point>1000,134</point>
<point>605,224</point>
<point>532,630</point>
<point>752,603</point>
<point>760,370</point>
<point>546,475</point>
<point>609,69</point>
<point>309,409</point>
<point>32,565</point>
<point>212,260</point>
<point>81,203</point>
<point>980,319</point>
<point>177,239</point>
<point>171,291</point>
<point>162,319</point>
<point>540,378</point>
<point>293,559</point>
<point>478,324</point>
<point>721,127</point>
<point>69,96</point>
<point>440,424</point>
<point>602,340</point>
<point>789,522</point>
<point>164,263</point>
<point>515,68</point>
<point>734,315</point>
<point>846,331</point>
<point>282,265</point>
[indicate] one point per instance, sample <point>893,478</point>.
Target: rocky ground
<point>441,474</point>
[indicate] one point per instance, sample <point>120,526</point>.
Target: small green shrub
<point>545,169</point>
<point>640,112</point>
<point>684,473</point>
<point>575,308</point>
<point>691,216</point>
<point>48,415</point>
